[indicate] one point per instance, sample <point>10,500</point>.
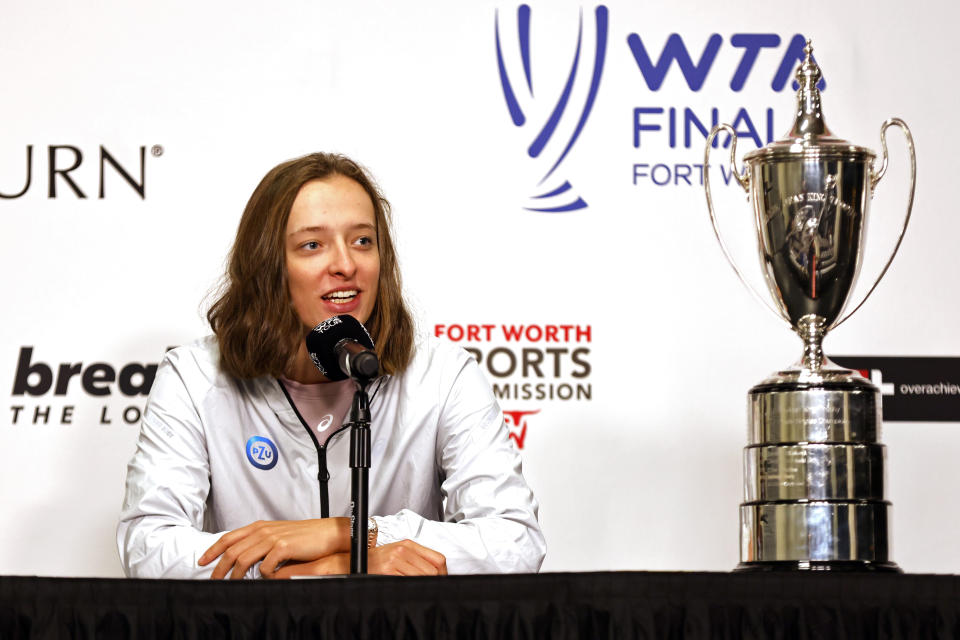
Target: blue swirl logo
<point>561,198</point>
<point>262,453</point>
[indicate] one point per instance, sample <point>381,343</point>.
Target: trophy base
<point>813,471</point>
<point>814,475</point>
<point>815,531</point>
<point>838,566</point>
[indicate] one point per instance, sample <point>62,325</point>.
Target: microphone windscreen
<point>325,336</point>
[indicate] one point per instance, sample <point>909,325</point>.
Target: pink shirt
<point>323,405</point>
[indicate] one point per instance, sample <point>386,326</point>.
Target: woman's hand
<point>404,558</point>
<point>276,542</point>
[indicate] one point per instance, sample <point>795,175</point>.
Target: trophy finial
<point>808,74</point>
<point>809,123</point>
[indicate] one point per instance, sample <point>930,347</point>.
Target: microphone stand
<point>359,478</point>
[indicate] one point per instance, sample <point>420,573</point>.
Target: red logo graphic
<point>517,423</point>
<point>876,377</point>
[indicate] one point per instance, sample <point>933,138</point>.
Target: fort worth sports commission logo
<point>669,127</point>
<point>554,199</point>
<point>528,363</point>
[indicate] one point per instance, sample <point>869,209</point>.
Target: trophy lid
<point>809,136</point>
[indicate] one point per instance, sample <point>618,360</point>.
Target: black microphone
<point>341,348</point>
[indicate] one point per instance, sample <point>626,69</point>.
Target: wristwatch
<point>371,533</point>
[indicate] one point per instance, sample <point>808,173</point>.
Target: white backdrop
<point>645,473</point>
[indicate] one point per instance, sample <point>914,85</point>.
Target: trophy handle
<point>744,181</point>
<point>874,180</point>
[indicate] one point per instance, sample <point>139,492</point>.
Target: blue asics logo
<point>262,453</point>
<point>561,198</point>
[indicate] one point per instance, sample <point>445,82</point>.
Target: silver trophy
<point>813,466</point>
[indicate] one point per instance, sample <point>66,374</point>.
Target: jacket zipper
<point>323,475</point>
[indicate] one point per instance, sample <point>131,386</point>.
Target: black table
<point>559,605</point>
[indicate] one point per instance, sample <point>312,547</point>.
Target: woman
<point>242,454</point>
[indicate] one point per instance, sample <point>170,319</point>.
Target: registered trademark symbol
<point>156,150</point>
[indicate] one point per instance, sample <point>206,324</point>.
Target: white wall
<point>646,474</point>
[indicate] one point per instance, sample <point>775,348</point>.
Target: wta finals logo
<point>555,197</point>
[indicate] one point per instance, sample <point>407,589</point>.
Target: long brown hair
<point>257,328</point>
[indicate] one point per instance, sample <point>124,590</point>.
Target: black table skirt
<point>560,605</point>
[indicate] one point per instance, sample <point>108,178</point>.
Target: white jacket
<point>443,472</point>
